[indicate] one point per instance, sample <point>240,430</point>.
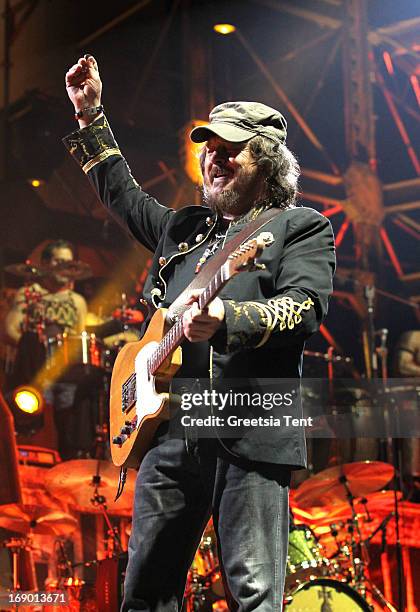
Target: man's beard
<point>222,202</point>
<point>235,201</point>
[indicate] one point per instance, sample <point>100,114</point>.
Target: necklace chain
<point>220,237</point>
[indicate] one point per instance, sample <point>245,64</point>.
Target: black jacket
<point>269,312</point>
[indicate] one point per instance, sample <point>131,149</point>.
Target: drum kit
<point>96,347</point>
<point>85,486</point>
<point>328,556</point>
<point>335,515</point>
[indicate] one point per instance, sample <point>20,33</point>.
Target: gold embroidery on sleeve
<point>283,311</point>
<point>99,158</point>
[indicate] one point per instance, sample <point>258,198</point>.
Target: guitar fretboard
<point>173,338</point>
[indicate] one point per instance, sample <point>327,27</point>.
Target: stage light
<point>28,400</point>
<point>35,182</point>
<point>190,151</point>
<point>224,28</point>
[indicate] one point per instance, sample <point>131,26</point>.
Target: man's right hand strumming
<point>84,88</point>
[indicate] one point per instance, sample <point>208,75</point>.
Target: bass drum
<point>325,594</point>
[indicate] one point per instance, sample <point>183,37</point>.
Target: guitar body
<point>143,370</point>
<point>133,421</point>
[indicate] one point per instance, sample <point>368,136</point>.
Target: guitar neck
<point>174,337</point>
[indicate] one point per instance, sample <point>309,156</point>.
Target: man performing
<point>59,306</point>
<point>41,313</point>
<point>255,329</point>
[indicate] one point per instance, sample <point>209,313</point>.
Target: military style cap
<point>240,121</point>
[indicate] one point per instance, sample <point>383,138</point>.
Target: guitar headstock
<point>244,257</point>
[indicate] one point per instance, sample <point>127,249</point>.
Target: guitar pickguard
<point>148,401</point>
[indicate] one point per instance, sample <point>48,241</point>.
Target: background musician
<point>41,312</point>
<point>56,305</point>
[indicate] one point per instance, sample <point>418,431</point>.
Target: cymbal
<point>73,270</point>
<point>93,319</point>
<point>25,270</point>
<point>74,483</point>
<point>322,515</point>
<point>28,518</point>
<point>327,487</point>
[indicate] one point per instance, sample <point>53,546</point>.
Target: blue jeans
<point>178,487</point>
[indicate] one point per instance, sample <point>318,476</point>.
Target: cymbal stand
<point>99,501</point>
<point>63,563</point>
<point>359,564</point>
<point>395,450</point>
<point>372,372</point>
<point>373,588</point>
<point>101,429</point>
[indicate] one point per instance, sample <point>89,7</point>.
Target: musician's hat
<point>241,121</point>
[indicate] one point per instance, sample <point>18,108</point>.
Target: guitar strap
<point>201,280</point>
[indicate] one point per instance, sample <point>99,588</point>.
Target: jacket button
<point>209,221</point>
<point>162,261</point>
<point>182,246</point>
<point>199,238</point>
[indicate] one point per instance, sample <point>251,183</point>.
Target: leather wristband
<point>90,111</point>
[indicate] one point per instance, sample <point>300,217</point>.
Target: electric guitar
<point>143,370</point>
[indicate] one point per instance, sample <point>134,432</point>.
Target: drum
<point>304,558</point>
<point>82,349</point>
<point>325,594</point>
<point>113,344</point>
<point>69,356</point>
